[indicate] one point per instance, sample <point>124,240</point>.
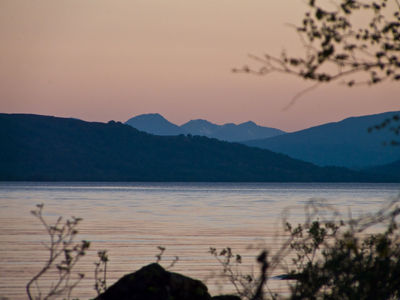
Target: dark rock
<point>226,297</point>
<point>152,282</point>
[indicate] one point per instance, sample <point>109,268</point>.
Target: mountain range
<point>45,148</point>
<point>346,143</point>
<point>158,125</point>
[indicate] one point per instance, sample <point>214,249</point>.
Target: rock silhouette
<point>153,282</point>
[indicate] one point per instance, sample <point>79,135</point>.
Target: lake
<point>131,220</point>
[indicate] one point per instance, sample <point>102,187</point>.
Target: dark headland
<point>45,148</point>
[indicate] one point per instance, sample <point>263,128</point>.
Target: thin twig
<point>299,95</point>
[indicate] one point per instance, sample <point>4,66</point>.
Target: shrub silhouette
<point>358,258</point>
<point>63,254</point>
<point>332,259</point>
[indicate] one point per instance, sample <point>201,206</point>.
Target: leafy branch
<point>336,49</point>
<point>328,258</point>
<point>100,272</point>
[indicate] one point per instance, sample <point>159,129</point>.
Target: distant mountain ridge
<point>44,148</point>
<point>345,144</point>
<point>154,124</point>
<point>158,125</point>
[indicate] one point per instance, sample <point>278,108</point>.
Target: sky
<point>101,60</point>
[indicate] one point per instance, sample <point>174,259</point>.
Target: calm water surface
<point>132,219</point>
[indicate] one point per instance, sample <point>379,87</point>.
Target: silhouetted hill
<point>346,143</point>
<point>388,170</point>
<point>154,124</point>
<point>50,148</point>
<point>230,132</point>
<point>157,124</point>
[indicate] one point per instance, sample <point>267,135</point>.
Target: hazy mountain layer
<point>154,124</point>
<point>346,143</point>
<point>49,148</point>
<point>157,124</point>
<point>230,132</point>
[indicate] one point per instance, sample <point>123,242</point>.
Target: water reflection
<point>132,219</point>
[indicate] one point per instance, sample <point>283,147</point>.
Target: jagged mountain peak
<point>154,123</point>
<point>157,124</point>
<point>248,123</point>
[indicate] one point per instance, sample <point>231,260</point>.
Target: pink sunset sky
<point>101,60</point>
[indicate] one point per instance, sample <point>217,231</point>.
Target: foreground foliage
<point>336,261</point>
<point>63,255</point>
<point>326,257</point>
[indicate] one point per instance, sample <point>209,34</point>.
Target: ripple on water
<point>132,219</point>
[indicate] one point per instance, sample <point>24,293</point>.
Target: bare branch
<point>301,94</point>
<point>335,39</point>
<point>61,244</point>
